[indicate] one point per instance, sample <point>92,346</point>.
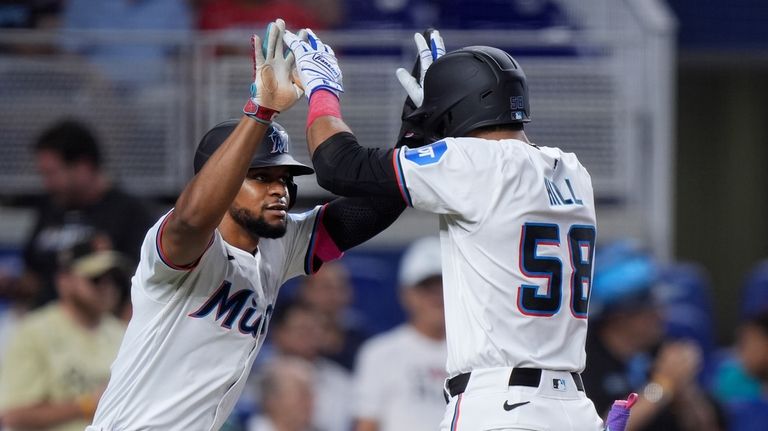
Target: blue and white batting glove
<point>427,55</point>
<point>272,90</point>
<point>315,62</point>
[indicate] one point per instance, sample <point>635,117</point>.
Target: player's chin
<point>273,228</point>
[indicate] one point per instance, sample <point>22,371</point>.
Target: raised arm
<point>342,165</point>
<point>205,200</point>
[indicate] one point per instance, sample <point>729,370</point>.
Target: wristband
<point>262,114</point>
<point>323,102</point>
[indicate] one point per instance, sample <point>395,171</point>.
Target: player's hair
<point>72,141</point>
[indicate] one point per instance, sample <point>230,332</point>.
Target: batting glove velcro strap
<point>316,62</point>
<point>259,113</point>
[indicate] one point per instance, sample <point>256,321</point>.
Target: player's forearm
<point>324,119</point>
<point>322,129</point>
<point>43,415</point>
<point>207,197</point>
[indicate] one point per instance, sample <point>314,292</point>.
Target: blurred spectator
<point>57,363</point>
<point>127,63</point>
<point>742,384</point>
<point>329,292</point>
<point>626,352</point>
<point>250,14</point>
<point>400,373</point>
<point>80,200</point>
<point>297,330</point>
<point>745,377</point>
<point>286,396</point>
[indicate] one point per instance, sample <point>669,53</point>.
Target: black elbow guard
<point>345,168</point>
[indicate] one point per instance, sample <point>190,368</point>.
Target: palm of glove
<point>272,86</point>
<point>316,62</point>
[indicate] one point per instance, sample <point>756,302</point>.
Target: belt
<point>518,377</point>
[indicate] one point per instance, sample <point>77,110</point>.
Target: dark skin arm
<point>206,199</point>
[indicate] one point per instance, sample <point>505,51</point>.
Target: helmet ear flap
<point>292,190</point>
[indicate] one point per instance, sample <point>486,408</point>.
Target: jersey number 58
<point>581,251</point>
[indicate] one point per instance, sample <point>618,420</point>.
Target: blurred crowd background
<point>103,102</point>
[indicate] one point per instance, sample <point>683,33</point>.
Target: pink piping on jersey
<point>321,244</point>
<point>456,414</point>
<point>400,178</point>
<point>161,252</point>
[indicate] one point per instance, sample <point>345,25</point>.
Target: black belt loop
<point>518,377</point>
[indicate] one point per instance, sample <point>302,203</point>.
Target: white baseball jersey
<point>517,231</point>
<point>398,380</point>
<point>195,331</point>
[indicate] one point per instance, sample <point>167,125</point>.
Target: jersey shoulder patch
<point>428,154</point>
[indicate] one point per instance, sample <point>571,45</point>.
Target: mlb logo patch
<point>559,385</point>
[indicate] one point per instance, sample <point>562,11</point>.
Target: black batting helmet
<point>472,87</point>
<point>273,151</point>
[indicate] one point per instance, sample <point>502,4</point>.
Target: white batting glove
<point>427,55</point>
<point>315,62</point>
<point>272,90</point>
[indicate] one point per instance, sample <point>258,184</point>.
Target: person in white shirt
<point>400,373</point>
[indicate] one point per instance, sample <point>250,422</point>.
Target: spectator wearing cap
<point>57,362</point>
<point>626,351</point>
<point>400,373</point>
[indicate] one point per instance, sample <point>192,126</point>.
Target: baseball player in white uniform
<point>517,229</point>
<point>210,269</point>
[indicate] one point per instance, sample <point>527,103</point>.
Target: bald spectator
<point>297,330</point>
<point>287,396</point>
<point>329,291</point>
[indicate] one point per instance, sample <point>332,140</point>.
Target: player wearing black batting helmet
<point>472,87</point>
<point>517,229</point>
<point>273,151</point>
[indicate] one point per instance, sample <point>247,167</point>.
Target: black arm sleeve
<point>345,168</point>
<point>352,221</point>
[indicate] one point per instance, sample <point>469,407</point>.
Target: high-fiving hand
<point>272,90</point>
<point>427,55</point>
<point>315,62</point>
